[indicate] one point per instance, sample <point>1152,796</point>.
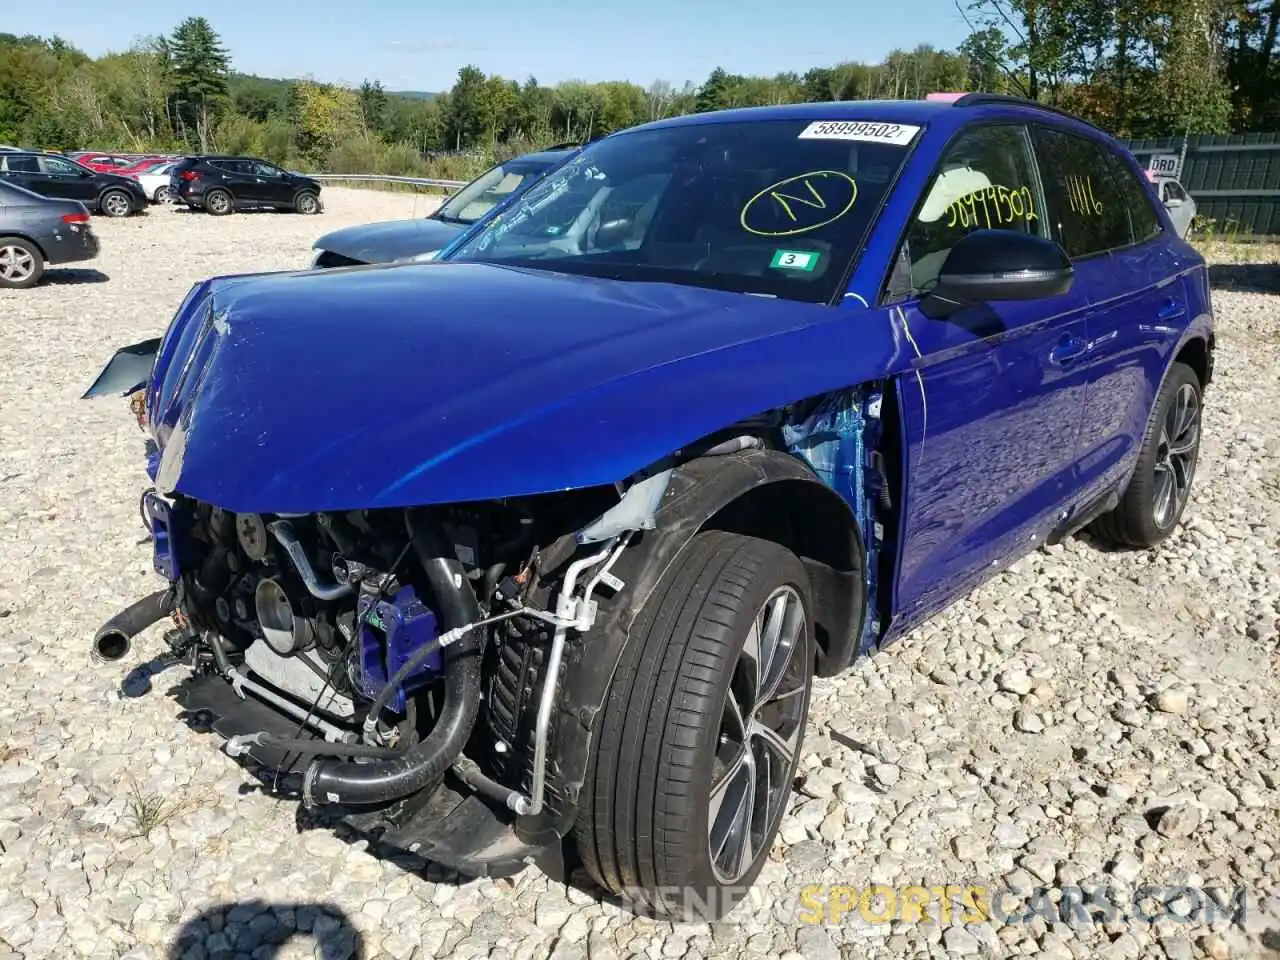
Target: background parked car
<point>1179,203</point>
<point>102,162</point>
<point>53,176</point>
<point>36,230</point>
<point>405,239</point>
<point>154,180</point>
<point>221,185</point>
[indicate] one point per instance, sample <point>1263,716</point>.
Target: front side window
<point>1084,200</point>
<point>775,207</point>
<point>487,191</point>
<point>985,181</point>
<point>61,168</point>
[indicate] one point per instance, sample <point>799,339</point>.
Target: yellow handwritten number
<point>816,190</point>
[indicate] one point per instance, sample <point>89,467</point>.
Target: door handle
<point>1171,309</point>
<point>1068,350</point>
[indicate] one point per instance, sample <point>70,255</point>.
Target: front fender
<point>699,490</point>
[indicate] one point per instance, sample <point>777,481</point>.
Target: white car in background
<point>1181,207</point>
<point>156,182</point>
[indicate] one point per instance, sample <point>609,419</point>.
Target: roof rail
<point>998,99</point>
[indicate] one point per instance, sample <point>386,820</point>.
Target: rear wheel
<point>700,734</point>
<point>21,263</point>
<point>116,203</point>
<point>162,195</point>
<point>306,203</point>
<point>1152,504</point>
<point>218,202</point>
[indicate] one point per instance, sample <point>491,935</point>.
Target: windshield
<point>487,191</point>
<point>777,207</point>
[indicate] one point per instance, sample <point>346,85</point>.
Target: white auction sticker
<point>868,131</point>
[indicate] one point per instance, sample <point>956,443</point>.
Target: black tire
<point>644,820</point>
<point>21,263</point>
<point>306,203</point>
<point>1140,520</point>
<point>219,202</point>
<point>162,195</point>
<point>115,203</point>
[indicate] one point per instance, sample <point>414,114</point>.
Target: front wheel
<point>116,203</point>
<point>306,203</point>
<point>700,734</point>
<point>1152,504</point>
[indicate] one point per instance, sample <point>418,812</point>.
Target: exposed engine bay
<point>371,631</point>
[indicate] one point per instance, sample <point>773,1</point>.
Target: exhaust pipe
<point>330,780</point>
<point>115,637</point>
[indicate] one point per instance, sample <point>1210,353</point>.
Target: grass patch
<point>144,811</point>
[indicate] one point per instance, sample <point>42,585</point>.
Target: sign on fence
<point>1165,164</point>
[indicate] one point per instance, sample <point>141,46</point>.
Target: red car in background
<point>110,162</point>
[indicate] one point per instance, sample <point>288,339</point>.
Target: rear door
<point>236,177</point>
<point>24,170</point>
<point>992,409</point>
<point>1131,266</point>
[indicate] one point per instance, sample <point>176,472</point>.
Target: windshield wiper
<point>447,219</point>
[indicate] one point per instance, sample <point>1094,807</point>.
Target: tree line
<point>1138,68</point>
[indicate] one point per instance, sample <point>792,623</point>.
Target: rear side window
<point>22,164</point>
<point>230,166</point>
<point>1138,197</point>
<point>1085,205</point>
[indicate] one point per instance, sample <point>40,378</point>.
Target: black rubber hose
<point>113,639</point>
<point>379,781</point>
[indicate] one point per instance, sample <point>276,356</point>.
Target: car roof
<point>954,113</point>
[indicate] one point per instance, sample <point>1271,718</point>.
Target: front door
<point>68,180</point>
<point>272,184</point>
<point>992,409</point>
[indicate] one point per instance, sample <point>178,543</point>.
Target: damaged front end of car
<point>429,667</point>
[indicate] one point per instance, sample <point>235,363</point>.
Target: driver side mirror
<point>998,265</point>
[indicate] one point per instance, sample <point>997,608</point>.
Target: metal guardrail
<point>447,185</point>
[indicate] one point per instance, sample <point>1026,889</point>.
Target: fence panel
<point>1234,179</point>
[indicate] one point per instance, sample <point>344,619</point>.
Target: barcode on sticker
<point>867,131</point>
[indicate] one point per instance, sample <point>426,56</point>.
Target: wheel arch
<point>762,493</point>
<point>1197,353</point>
<point>17,235</point>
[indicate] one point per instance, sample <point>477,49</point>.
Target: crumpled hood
<point>390,240</point>
<point>446,382</point>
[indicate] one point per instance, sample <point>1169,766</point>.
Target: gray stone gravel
<point>1087,718</point>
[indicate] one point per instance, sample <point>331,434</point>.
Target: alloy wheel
<point>307,204</point>
<point>16,264</point>
<point>116,205</point>
<point>760,729</point>
<point>219,203</point>
<point>1176,455</point>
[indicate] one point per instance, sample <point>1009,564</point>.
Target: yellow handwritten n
<point>817,202</point>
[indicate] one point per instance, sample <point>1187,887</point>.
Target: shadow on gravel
<point>1249,277</point>
<point>56,276</point>
<point>247,927</point>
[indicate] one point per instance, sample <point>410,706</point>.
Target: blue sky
<point>420,44</point>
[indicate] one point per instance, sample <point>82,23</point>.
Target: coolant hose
<point>378,781</point>
<point>113,639</point>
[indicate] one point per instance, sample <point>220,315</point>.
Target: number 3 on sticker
<point>793,260</point>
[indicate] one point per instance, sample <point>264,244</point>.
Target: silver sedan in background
<point>1174,196</point>
<point>36,231</point>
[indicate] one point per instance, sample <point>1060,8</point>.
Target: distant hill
<point>280,84</point>
<point>412,94</point>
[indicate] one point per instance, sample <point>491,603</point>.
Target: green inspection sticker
<point>794,260</point>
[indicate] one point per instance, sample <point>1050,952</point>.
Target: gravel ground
<point>1088,718</point>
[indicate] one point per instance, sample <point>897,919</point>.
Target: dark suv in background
<point>222,185</point>
<point>54,176</point>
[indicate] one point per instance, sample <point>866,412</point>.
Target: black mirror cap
<point>1000,265</point>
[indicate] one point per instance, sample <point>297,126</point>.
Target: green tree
<point>373,106</point>
<point>200,67</point>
